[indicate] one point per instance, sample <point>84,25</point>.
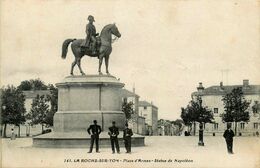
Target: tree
<point>25,85</point>
<point>235,107</point>
<point>127,108</point>
<point>38,84</point>
<point>160,122</point>
<point>178,122</point>
<point>53,98</point>
<point>195,112</point>
<point>187,119</point>
<point>13,109</point>
<point>33,84</point>
<point>39,111</point>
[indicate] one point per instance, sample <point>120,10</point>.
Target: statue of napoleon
<point>93,45</point>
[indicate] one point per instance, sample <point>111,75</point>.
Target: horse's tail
<point>65,47</point>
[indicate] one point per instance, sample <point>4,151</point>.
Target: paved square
<point>160,151</point>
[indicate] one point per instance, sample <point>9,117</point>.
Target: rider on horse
<point>103,51</point>
<point>91,36</point>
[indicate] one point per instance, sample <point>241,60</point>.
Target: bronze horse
<point>104,50</point>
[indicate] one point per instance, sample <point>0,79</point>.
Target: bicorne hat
<point>90,17</point>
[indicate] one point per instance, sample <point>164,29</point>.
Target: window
<point>242,126</point>
<point>256,126</point>
<point>140,113</point>
<point>215,126</point>
<point>145,115</point>
<point>145,107</point>
<point>215,110</point>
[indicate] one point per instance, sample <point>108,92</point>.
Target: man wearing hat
<point>113,133</point>
<point>228,135</point>
<point>91,35</point>
<point>94,130</point>
<point>127,138</point>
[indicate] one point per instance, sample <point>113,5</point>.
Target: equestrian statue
<point>93,46</point>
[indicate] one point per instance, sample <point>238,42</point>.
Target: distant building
<point>167,128</point>
<point>137,122</point>
<point>150,113</point>
<point>212,98</point>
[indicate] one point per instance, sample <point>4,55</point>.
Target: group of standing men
<point>94,130</point>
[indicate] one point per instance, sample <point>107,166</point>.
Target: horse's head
<point>114,31</point>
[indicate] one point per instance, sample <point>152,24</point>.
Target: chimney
<point>245,83</point>
<point>221,84</point>
<point>200,88</point>
<point>134,89</point>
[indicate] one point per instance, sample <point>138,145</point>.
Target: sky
<point>166,49</point>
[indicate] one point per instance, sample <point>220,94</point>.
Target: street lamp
<point>1,132</point>
<point>201,143</point>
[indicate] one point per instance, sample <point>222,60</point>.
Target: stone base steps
<point>80,140</point>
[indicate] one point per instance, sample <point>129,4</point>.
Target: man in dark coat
<point>127,138</point>
<point>94,130</point>
<point>113,133</point>
<point>91,35</point>
<point>228,135</point>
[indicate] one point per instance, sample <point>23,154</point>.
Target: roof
<point>128,93</point>
<point>34,93</point>
<point>222,90</point>
<point>145,103</point>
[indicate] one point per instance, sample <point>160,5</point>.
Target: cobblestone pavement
<point>160,151</point>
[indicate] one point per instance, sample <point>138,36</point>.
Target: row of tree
<point>42,109</point>
<point>235,110</point>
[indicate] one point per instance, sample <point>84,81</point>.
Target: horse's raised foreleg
<point>107,62</point>
<point>72,66</point>
<point>100,64</point>
<point>79,65</point>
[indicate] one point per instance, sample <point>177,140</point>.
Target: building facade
<point>212,98</point>
<point>137,122</point>
<point>150,113</point>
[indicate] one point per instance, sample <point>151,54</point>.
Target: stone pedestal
<point>82,99</point>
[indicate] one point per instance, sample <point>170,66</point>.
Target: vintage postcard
<point>113,83</point>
